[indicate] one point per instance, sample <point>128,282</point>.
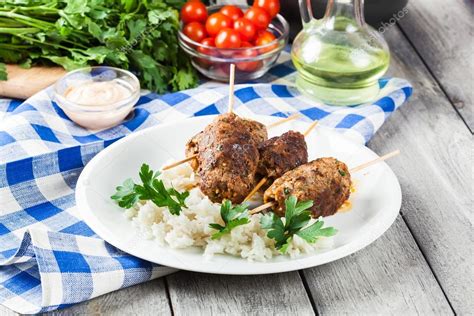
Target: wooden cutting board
<point>23,83</point>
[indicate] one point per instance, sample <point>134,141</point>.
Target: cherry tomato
<point>272,7</point>
<point>193,11</point>
<point>246,29</point>
<point>217,22</point>
<point>264,38</point>
<point>248,66</point>
<point>259,17</point>
<point>228,38</point>
<point>195,31</point>
<point>209,41</point>
<point>232,12</point>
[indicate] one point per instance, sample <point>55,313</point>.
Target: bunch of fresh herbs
<point>130,34</point>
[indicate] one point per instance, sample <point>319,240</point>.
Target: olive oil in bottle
<point>340,58</point>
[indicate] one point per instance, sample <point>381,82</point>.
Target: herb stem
<point>16,31</point>
<point>38,9</point>
<point>26,38</point>
<point>26,20</point>
<point>13,46</point>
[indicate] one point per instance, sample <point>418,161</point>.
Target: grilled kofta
<point>325,181</point>
<point>281,154</point>
<point>228,156</point>
<point>257,130</point>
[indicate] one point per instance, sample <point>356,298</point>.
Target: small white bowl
<point>97,116</point>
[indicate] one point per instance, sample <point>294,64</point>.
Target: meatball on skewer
<point>191,149</point>
<point>325,181</point>
<point>281,154</point>
<point>227,158</point>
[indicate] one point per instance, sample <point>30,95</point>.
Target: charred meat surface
<point>325,181</point>
<point>228,157</point>
<point>257,130</point>
<point>281,154</point>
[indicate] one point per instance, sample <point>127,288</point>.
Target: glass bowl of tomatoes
<point>217,36</point>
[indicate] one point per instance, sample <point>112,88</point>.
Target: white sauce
<point>98,93</point>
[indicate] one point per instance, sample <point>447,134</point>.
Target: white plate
<point>376,202</point>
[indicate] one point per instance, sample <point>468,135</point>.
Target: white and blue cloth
<point>49,258</point>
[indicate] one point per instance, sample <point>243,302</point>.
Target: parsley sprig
<point>152,189</point>
<point>297,217</point>
<point>232,216</point>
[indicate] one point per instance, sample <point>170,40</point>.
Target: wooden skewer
<point>355,169</point>
<point>264,180</point>
<point>230,108</point>
<point>179,162</point>
<point>372,162</point>
<point>287,119</point>
<point>261,208</point>
<point>255,189</point>
<point>310,128</point>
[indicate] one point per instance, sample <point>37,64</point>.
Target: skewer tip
<point>231,88</point>
<point>261,208</point>
<point>310,128</point>
<point>284,120</point>
<point>375,161</point>
<point>179,162</point>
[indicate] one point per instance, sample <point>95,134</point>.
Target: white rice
<point>191,227</point>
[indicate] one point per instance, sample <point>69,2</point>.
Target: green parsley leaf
<point>168,197</point>
<point>314,231</point>
<point>126,196</point>
<point>232,216</point>
<point>297,217</point>
<point>151,189</point>
<point>297,214</point>
<point>276,229</point>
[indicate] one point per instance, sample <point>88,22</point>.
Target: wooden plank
<point>388,277</point>
<point>207,294</point>
<point>442,33</point>
<point>23,83</point>
<point>149,298</point>
<point>435,172</point>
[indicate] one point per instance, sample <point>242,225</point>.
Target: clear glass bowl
<point>250,62</point>
<point>99,115</point>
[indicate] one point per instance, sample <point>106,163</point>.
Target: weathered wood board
<point>442,32</point>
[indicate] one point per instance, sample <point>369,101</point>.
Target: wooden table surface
<point>423,263</point>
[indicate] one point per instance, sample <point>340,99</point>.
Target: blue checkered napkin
<point>56,270</point>
<point>49,258</point>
